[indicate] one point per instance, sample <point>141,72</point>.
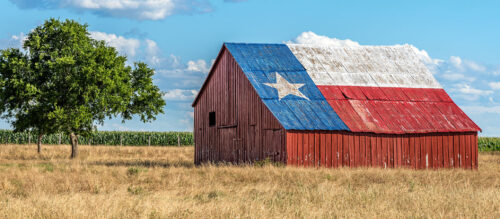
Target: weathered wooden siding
<point>347,149</point>
<point>245,129</point>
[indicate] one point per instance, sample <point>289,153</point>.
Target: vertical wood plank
<point>428,151</point>
<point>412,156</point>
<point>380,151</point>
<point>306,149</point>
<point>345,149</point>
<point>289,150</point>
<point>475,144</point>
<point>362,150</point>
<point>423,152</point>
<point>335,150</point>
<point>300,149</point>
<point>340,149</point>
<point>451,153</point>
<point>440,152</point>
<point>317,148</point>
<point>462,150</point>
<point>351,150</point>
<point>446,159</point>
<point>373,143</point>
<point>311,149</point>
<point>328,149</point>
<point>385,152</point>
<point>456,150</point>
<point>357,152</point>
<point>322,149</point>
<point>399,149</point>
<point>468,146</point>
<point>392,149</point>
<point>368,150</point>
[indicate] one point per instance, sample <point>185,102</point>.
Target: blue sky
<point>459,40</point>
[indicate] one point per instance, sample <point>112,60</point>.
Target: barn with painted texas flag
<point>320,106</point>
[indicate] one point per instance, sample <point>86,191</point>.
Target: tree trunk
<point>74,145</point>
<point>39,143</point>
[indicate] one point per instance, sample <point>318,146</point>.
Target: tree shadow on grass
<point>144,163</point>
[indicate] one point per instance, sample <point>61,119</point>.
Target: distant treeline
<point>104,138</point>
<point>150,138</point>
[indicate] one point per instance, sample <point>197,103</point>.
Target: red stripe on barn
<point>397,110</point>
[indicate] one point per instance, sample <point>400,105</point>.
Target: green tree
<point>65,81</point>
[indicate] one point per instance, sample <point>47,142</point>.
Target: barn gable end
<point>244,130</point>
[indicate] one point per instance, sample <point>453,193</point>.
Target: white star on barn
<point>286,88</point>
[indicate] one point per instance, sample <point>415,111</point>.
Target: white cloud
<point>469,93</point>
<point>457,77</point>
<point>180,95</point>
<point>133,9</point>
<point>495,85</point>
<point>465,65</point>
<point>14,41</point>
<point>467,89</point>
<point>152,52</point>
<point>496,72</point>
<point>312,38</point>
<point>199,65</point>
<point>482,109</point>
<point>125,46</point>
<point>456,62</point>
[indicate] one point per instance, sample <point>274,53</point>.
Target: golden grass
<point>161,182</point>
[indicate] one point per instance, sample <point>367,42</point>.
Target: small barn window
<point>211,119</point>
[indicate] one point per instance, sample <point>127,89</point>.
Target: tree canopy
<point>62,80</point>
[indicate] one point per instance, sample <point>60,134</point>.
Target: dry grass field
<point>162,182</point>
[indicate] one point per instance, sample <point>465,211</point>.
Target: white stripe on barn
<point>378,66</point>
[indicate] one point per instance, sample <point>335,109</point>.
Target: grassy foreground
<point>160,182</point>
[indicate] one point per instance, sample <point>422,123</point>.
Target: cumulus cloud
<point>457,77</point>
<point>133,9</point>
<point>14,41</point>
<point>310,37</point>
<point>467,89</point>
<point>172,72</point>
<point>494,85</point>
<point>199,65</point>
<point>464,65</point>
<point>125,46</point>
<point>468,92</point>
<point>482,109</point>
<point>180,94</point>
<point>152,52</point>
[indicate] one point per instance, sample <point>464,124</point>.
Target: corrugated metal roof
<point>397,110</point>
<point>381,89</point>
<point>380,66</point>
<point>261,63</point>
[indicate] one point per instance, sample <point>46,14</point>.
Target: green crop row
<point>104,138</point>
<point>150,138</point>
<point>489,144</point>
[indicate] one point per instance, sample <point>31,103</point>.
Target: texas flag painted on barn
<point>379,89</point>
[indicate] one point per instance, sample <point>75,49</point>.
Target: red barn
<point>309,105</point>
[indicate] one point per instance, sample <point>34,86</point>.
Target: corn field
<point>104,138</point>
<point>149,138</point>
<point>489,144</point>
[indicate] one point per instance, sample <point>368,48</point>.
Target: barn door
<point>228,150</point>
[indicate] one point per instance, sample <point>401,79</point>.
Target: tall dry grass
<point>161,182</point>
